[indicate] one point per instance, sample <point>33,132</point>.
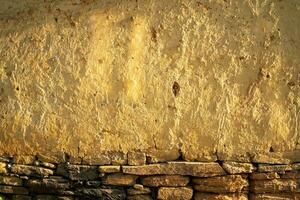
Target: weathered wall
<point>212,79</point>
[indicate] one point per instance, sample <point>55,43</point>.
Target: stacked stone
<point>134,177</point>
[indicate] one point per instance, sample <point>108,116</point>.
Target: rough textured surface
<point>208,78</point>
<point>179,193</point>
<point>223,184</point>
<point>173,180</point>
<point>200,169</point>
<point>82,182</point>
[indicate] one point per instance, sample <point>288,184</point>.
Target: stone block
<point>223,184</point>
<point>5,189</point>
<point>264,176</point>
<point>156,156</point>
<point>207,196</point>
<point>109,169</point>
<point>10,180</point>
<point>21,197</point>
<point>165,180</point>
<point>275,186</point>
<point>119,179</point>
<point>136,158</point>
<point>138,190</point>
<point>281,196</point>
<point>238,168</point>
<point>274,168</point>
<point>51,185</point>
<point>78,172</point>
<point>139,197</point>
<point>198,169</point>
<point>172,193</point>
<point>31,170</point>
<point>3,169</point>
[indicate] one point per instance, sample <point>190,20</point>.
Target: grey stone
<point>78,172</point>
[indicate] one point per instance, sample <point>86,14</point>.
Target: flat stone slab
<point>238,168</point>
<point>223,184</point>
<point>264,175</point>
<point>10,180</point>
<point>198,169</point>
<point>168,193</point>
<point>165,180</point>
<point>274,168</point>
<point>12,190</point>
<point>47,185</point>
<point>31,170</point>
<point>110,169</point>
<point>275,186</point>
<point>207,196</point>
<point>78,172</point>
<point>119,179</point>
<point>3,169</point>
<point>275,196</point>
<point>139,197</point>
<point>138,190</point>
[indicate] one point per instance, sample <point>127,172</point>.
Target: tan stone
<point>111,77</point>
<point>139,197</point>
<point>207,196</point>
<point>100,159</point>
<point>12,190</point>
<point>274,168</point>
<point>136,158</point>
<point>238,168</point>
<point>48,165</point>
<point>198,169</point>
<point>119,179</point>
<point>172,193</point>
<point>165,180</point>
<point>275,186</point>
<point>118,158</point>
<point>223,184</point>
<point>110,169</point>
<point>291,175</point>
<point>10,180</point>
<point>3,169</point>
<point>264,176</point>
<point>290,196</point>
<point>156,156</point>
<point>31,170</point>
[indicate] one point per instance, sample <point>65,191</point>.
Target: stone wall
<point>137,180</point>
<point>144,99</point>
<point>212,79</point>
